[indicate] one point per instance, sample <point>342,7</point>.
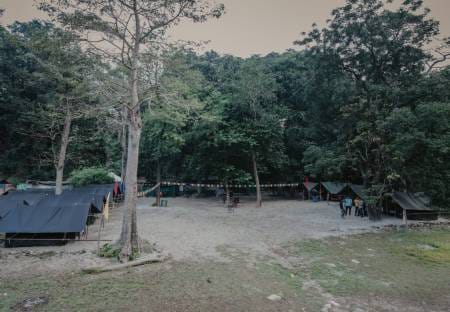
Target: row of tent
<point>416,205</point>
<point>334,189</point>
<point>37,213</point>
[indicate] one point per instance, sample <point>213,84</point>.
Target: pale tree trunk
<point>227,195</point>
<point>62,154</point>
<point>123,143</point>
<point>129,237</point>
<point>258,187</point>
<point>158,182</point>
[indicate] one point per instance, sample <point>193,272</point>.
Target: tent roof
<point>409,201</point>
<point>52,214</point>
<point>310,185</point>
<point>95,193</point>
<point>334,187</point>
<point>44,212</point>
<point>358,190</point>
<point>19,198</point>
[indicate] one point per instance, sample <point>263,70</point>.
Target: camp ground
<point>225,155</point>
<point>39,217</point>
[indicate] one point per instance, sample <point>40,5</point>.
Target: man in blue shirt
<point>348,203</point>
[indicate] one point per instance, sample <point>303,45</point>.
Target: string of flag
<point>229,185</point>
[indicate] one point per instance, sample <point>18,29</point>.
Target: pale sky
<point>249,26</point>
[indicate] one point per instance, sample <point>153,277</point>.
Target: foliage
<point>109,251</point>
<point>91,175</point>
<point>321,163</point>
<point>360,103</point>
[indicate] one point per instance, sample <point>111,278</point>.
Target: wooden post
<point>405,218</point>
<point>99,233</point>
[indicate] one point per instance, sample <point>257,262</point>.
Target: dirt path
<point>198,230</point>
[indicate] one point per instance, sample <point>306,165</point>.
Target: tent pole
<point>405,218</point>
<point>99,233</point>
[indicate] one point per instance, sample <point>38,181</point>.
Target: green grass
<point>406,266</point>
<point>411,265</point>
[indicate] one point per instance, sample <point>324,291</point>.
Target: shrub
<point>109,251</point>
<point>92,175</point>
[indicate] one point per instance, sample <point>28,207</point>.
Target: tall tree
<point>174,98</point>
<point>253,110</point>
<point>383,51</point>
<point>118,30</point>
<point>64,71</point>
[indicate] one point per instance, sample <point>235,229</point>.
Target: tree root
<point>145,260</point>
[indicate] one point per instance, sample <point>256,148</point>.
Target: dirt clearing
<point>301,255</point>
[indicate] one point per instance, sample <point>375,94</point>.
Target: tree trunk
<point>227,195</point>
<point>129,236</point>
<point>158,182</point>
<point>62,154</point>
<point>258,188</point>
<point>123,143</point>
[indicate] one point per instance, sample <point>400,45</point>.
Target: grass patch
<point>164,287</point>
<point>424,247</point>
<point>292,278</point>
<point>413,265</point>
<point>396,267</point>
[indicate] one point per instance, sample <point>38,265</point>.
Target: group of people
<point>346,205</point>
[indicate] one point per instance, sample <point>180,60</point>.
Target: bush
<point>109,251</point>
<point>92,175</point>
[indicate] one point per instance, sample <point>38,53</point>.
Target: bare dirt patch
<point>194,228</point>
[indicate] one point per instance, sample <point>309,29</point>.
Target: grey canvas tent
<point>417,206</point>
<point>333,189</point>
<point>39,217</point>
<point>310,188</point>
<point>96,193</point>
<point>310,185</point>
<point>358,190</point>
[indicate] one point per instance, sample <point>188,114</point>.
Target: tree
<point>175,103</point>
<point>253,111</point>
<point>382,51</point>
<point>118,30</point>
<point>66,70</point>
<point>418,150</point>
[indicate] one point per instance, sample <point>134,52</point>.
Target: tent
<point>417,206</point>
<point>45,222</point>
<point>41,217</point>
<point>95,193</point>
<point>358,190</point>
<point>311,187</point>
<point>334,189</point>
<point>18,198</point>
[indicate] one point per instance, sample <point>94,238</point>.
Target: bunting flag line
<point>167,183</point>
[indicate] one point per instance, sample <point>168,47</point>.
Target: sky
<point>249,26</point>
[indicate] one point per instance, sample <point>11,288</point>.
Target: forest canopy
<point>363,100</point>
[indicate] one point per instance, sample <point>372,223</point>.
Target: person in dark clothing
<point>363,208</point>
<point>341,205</point>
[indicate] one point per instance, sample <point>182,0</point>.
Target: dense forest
<point>364,100</point>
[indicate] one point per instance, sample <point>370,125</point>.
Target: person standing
<point>362,205</point>
<point>357,206</point>
<point>341,205</point>
<point>348,205</point>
